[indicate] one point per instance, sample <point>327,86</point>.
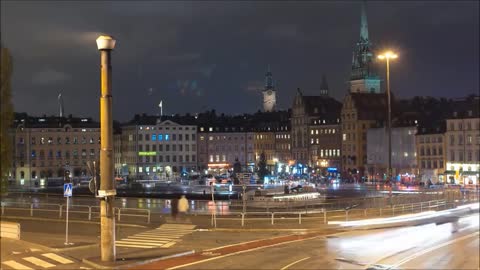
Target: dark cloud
<point>208,54</point>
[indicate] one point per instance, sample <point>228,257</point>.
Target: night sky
<point>213,55</point>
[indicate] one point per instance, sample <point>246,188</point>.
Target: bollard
<point>243,219</point>
<point>299,218</point>
<point>148,221</point>
<point>31,209</point>
<point>89,213</point>
<point>3,209</point>
<point>60,208</point>
<point>272,217</point>
<point>119,213</point>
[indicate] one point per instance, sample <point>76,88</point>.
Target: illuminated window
<point>344,136</point>
<point>160,137</point>
<point>154,137</point>
<point>217,158</point>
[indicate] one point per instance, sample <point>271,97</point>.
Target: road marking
<point>167,245</point>
<point>295,262</point>
<point>161,237</point>
<point>240,252</point>
<point>140,242</point>
<point>16,265</point>
<point>411,257</point>
<point>57,258</point>
<point>39,262</point>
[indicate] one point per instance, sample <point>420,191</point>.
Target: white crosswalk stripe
<point>37,261</point>
<point>164,236</point>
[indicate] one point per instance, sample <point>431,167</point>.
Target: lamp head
<point>388,55</point>
<point>105,43</point>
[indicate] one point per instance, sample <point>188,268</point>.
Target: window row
<point>168,158</point>
<point>50,154</point>
<point>469,154</point>
<point>168,147</point>
<point>430,151</point>
<point>60,140</point>
<point>431,164</point>
<point>323,131</point>
<point>166,137</point>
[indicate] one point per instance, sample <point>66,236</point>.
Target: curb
<point>74,221</point>
<point>75,248</point>
<point>101,266</point>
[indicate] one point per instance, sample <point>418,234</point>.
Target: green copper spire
<point>364,23</point>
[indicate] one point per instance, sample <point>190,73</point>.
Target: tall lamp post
<point>387,56</point>
<point>107,189</point>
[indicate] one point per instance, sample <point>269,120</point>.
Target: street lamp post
<point>107,190</point>
<point>387,56</point>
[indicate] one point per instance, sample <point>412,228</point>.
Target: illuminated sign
<point>147,153</point>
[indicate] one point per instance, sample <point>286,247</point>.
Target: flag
<point>160,104</point>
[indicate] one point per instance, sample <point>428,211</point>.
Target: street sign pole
<point>67,192</point>
<point>66,222</point>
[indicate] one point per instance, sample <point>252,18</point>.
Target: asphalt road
<point>446,246</point>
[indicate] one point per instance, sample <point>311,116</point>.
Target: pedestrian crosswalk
<point>164,236</point>
<point>38,261</point>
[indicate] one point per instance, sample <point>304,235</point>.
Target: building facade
<point>463,145</point>
<point>360,111</point>
<point>45,147</point>
<point>404,154</point>
<point>158,149</point>
<point>315,119</point>
<point>431,155</point>
<point>220,147</point>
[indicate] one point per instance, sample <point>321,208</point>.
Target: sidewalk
<point>84,239</point>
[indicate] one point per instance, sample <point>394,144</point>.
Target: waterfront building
<point>431,154</point>
<point>46,147</point>
<point>463,143</point>
<point>315,125</point>
<point>404,154</point>
<point>158,148</point>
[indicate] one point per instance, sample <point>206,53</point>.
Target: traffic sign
<point>67,190</point>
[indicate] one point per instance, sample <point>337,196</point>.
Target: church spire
<point>364,23</point>
<point>268,79</point>
<point>363,77</point>
<point>324,86</point>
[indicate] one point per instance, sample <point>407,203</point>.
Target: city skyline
<point>221,65</point>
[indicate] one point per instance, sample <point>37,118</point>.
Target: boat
<point>289,198</point>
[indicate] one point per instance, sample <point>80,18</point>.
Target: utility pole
<point>107,190</point>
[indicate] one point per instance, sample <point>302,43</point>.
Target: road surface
<point>431,246</point>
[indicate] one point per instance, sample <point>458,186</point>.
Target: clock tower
<point>269,93</point>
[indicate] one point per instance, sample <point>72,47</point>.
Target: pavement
<point>43,241</point>
<point>136,244</point>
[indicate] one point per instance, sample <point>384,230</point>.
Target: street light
<point>107,190</point>
<point>387,56</point>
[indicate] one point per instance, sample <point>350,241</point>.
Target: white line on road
<point>295,262</point>
<point>240,252</point>
<point>39,262</point>
<point>411,257</point>
<point>57,258</point>
<point>16,266</point>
